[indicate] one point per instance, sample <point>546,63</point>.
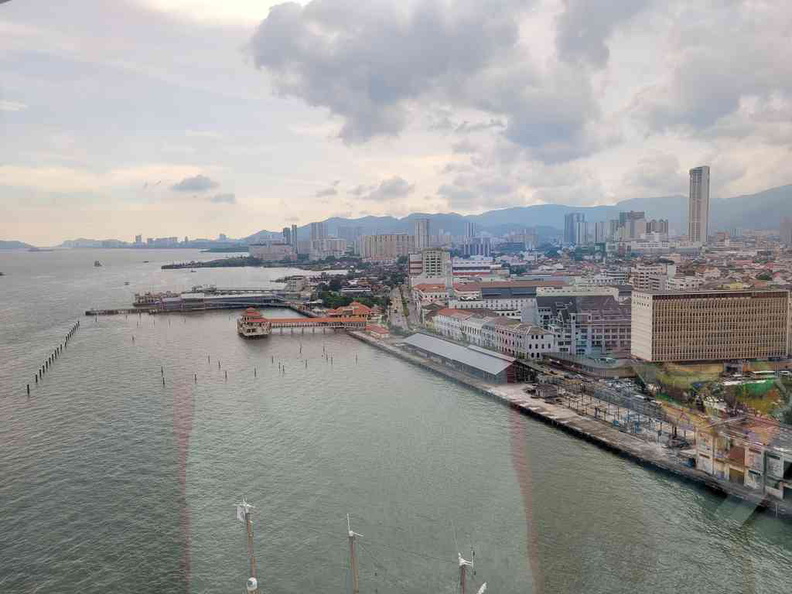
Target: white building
<point>488,330</point>
<point>425,293</point>
<point>652,277</point>
<point>477,266</point>
<point>432,265</point>
<point>684,283</point>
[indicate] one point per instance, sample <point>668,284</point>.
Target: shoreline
<point>604,436</point>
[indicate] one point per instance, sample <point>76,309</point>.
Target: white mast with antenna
<point>353,558</point>
<point>243,515</point>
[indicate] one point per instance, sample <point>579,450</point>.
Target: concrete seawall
<point>650,455</point>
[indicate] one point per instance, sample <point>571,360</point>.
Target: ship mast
<point>243,515</point>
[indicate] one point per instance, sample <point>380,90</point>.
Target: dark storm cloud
<point>223,198</point>
<point>365,61</point>
<point>371,66</point>
<point>197,183</point>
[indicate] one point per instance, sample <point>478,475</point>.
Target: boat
<point>97,264</point>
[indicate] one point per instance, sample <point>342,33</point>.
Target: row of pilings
<point>54,355</point>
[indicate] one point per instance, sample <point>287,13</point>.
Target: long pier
<point>152,310</point>
<point>331,323</point>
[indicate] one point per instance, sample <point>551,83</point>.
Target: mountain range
<point>14,245</point>
<point>763,210</point>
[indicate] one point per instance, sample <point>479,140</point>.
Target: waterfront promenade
<point>605,435</point>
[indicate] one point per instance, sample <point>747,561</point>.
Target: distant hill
<point>762,210</point>
<point>14,245</point>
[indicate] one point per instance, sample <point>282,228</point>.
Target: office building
<point>698,207</point>
<point>572,226</point>
<point>287,238</point>
<point>436,263</point>
<point>421,234</point>
<point>222,237</point>
<point>138,239</point>
<point>709,325</point>
<point>470,230</point>
<point>386,247</point>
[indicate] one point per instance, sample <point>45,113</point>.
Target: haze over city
<point>182,117</point>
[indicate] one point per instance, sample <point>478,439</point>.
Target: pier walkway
<point>331,323</point>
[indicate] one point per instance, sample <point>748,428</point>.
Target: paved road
<point>396,314</point>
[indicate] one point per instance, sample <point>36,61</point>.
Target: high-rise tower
<point>698,207</point>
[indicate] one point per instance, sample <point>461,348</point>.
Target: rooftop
<point>476,357</point>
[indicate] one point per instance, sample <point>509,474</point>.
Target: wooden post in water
<point>463,565</point>
<point>353,558</point>
<point>243,515</point>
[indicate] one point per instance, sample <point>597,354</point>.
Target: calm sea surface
<point>112,482</point>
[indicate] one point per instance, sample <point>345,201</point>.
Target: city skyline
<point>245,127</point>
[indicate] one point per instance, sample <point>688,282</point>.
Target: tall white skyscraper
<point>698,208</point>
<point>470,230</point>
<point>421,234</point>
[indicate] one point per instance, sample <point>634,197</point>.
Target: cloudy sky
<point>196,117</point>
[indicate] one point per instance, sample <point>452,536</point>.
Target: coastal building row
<point>754,453</point>
<point>489,330</point>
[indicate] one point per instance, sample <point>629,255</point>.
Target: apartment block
<point>709,325</point>
<point>386,248</point>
